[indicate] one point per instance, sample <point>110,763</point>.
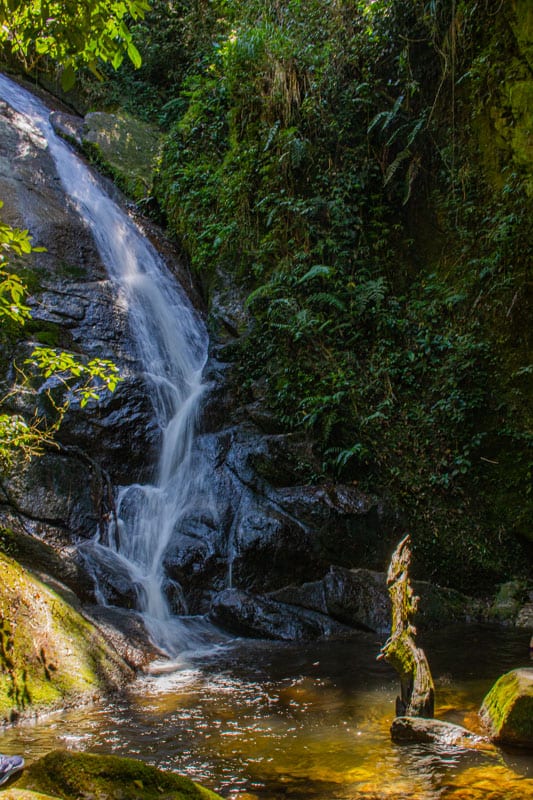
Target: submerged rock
<point>487,782</point>
<point>507,710</point>
<point>253,615</point>
<point>50,655</point>
<point>75,775</point>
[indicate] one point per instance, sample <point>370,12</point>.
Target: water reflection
<point>264,721</point>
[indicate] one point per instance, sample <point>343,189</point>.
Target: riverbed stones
<point>507,710</point>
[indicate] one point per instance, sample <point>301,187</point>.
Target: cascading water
<point>171,344</point>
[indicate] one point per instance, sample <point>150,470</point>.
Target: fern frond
<point>327,299</point>
<point>317,271</point>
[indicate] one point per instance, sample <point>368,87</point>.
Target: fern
<point>262,292</point>
<point>370,293</point>
<point>327,299</point>
<point>393,168</point>
<point>317,271</point>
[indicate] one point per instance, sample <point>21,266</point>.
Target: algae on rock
<point>50,655</point>
<point>74,775</point>
<point>126,147</point>
<point>507,710</point>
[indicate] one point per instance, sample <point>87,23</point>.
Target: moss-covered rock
<point>50,655</point>
<point>125,147</point>
<point>508,602</point>
<point>507,710</point>
<point>70,776</point>
<point>23,794</point>
<point>54,568</point>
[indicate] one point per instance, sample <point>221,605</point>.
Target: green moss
<point>74,775</point>
<point>50,655</point>
<point>126,148</point>
<point>508,601</point>
<point>507,710</point>
<point>22,794</point>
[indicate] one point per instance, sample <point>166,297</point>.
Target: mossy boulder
<point>22,794</point>
<point>50,655</point>
<point>507,710</point>
<point>125,147</point>
<point>508,602</point>
<point>70,776</point>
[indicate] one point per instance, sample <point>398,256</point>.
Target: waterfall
<point>171,345</point>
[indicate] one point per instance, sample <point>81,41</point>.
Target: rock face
<point>507,710</point>
<point>251,615</point>
<point>262,529</point>
<point>73,307</point>
<point>74,775</point>
<point>50,655</point>
<point>125,147</point>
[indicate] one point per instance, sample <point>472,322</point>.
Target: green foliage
<point>320,154</point>
<point>67,367</point>
<point>71,34</point>
<point>21,437</point>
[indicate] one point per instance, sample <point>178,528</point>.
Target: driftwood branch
<point>417,694</point>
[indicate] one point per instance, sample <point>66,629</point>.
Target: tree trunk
<point>417,694</point>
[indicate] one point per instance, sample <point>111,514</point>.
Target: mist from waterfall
<point>171,346</point>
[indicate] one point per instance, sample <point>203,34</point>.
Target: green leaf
<point>68,78</point>
<point>134,55</point>
<point>317,271</point>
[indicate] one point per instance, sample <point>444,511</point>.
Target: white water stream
<point>171,345</point>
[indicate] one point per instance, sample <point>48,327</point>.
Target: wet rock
<point>115,579</point>
<point>75,775</point>
<point>507,710</point>
<point>125,631</point>
<point>252,615</point>
<point>525,617</point>
<point>55,489</point>
<point>50,655</point>
<point>442,606</point>
<point>56,566</point>
<point>420,729</point>
<point>68,126</point>
<point>358,597</point>
<point>118,431</point>
<point>508,602</point>
<point>228,315</point>
<point>126,147</point>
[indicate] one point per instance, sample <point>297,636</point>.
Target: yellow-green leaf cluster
<point>71,34</point>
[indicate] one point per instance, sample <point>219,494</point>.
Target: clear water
<point>265,720</point>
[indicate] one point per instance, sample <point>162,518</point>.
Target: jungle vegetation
<point>361,170</point>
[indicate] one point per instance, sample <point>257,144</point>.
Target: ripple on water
<point>262,721</point>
